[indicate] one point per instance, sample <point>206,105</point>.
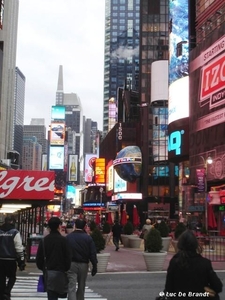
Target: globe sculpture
<point>128,163</point>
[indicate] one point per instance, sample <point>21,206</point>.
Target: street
<point>135,286</point>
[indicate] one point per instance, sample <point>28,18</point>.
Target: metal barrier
<point>213,247</point>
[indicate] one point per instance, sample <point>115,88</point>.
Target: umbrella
<point>136,219</point>
<point>123,220</point>
<point>97,219</point>
<point>109,218</point>
<point>211,218</point>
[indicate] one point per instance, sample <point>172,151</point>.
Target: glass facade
<point>154,45</point>
<point>121,50</point>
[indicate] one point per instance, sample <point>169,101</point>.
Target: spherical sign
<point>128,163</point>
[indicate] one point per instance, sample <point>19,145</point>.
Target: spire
<point>60,80</point>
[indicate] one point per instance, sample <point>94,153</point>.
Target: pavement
<point>124,260</point>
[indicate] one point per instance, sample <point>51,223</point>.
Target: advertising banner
<point>200,180</point>
<point>72,168</point>
<point>30,185</point>
<point>56,158</point>
<point>57,134</point>
<point>89,167</point>
<point>207,104</point>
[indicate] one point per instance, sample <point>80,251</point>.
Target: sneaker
<point>117,248</point>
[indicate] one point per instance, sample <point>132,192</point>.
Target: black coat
<point>57,251</point>
<point>194,278</point>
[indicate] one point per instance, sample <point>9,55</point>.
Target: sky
<point>68,33</point>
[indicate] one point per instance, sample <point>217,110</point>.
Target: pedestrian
<point>116,231</point>
<point>145,230</point>
<point>11,254</point>
<point>189,273</point>
<point>54,247</point>
<point>83,250</point>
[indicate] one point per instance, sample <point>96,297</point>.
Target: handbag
<point>41,284</point>
<point>56,281</point>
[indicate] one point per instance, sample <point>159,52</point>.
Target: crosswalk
<point>26,288</point>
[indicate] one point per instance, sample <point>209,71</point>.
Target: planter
<point>166,243</point>
<point>125,240</point>
<point>134,241</point>
<point>103,259</point>
<point>155,260</point>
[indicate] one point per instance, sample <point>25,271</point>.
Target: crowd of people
<point>189,274</point>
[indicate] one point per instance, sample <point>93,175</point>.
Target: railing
<point>213,247</point>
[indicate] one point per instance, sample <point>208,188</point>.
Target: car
<point>58,128</point>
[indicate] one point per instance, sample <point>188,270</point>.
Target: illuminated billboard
<point>100,170</point>
<point>89,167</point>
<point>120,185</point>
<point>58,113</point>
<point>72,168</point>
<point>207,105</point>
<point>57,133</point>
<point>178,60</point>
<point>71,193</point>
<point>56,158</point>
<point>109,176</point>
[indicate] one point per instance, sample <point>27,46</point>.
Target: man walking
<point>83,250</point>
<point>54,254</point>
<point>116,230</point>
<point>11,253</point>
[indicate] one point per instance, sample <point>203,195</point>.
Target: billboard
<point>100,170</point>
<point>207,105</point>
<point>178,61</point>
<point>72,168</point>
<point>109,176</point>
<point>57,133</point>
<point>44,162</point>
<point>28,185</point>
<point>120,185</point>
<point>89,167</point>
<point>71,193</point>
<point>56,158</point>
<point>58,113</point>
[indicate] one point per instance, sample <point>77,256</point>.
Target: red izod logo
<point>212,82</point>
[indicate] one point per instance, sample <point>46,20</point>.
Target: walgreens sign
<point>29,185</point>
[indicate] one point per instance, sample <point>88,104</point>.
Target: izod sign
<point>212,82</point>
<point>20,184</point>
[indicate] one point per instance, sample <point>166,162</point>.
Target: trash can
<point>32,247</point>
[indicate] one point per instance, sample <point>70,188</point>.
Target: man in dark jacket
<point>83,251</point>
<point>116,230</point>
<point>11,252</point>
<point>57,253</point>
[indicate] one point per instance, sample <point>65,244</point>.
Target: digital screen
<point>57,136</point>
<point>56,158</point>
<point>58,113</point>
<point>70,193</point>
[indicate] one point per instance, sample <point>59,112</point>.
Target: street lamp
<point>207,161</point>
<point>101,191</point>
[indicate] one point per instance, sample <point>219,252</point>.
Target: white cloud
<point>68,33</point>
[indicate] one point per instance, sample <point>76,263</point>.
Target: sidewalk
<point>125,260</point>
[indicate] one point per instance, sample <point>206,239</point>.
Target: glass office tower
<point>121,65</point>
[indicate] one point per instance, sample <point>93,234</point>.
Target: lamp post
<point>101,191</point>
<point>206,162</point>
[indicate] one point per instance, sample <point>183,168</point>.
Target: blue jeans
<point>77,274</point>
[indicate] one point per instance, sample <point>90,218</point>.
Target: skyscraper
<point>121,65</point>
<point>19,111</point>
<point>8,41</point>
